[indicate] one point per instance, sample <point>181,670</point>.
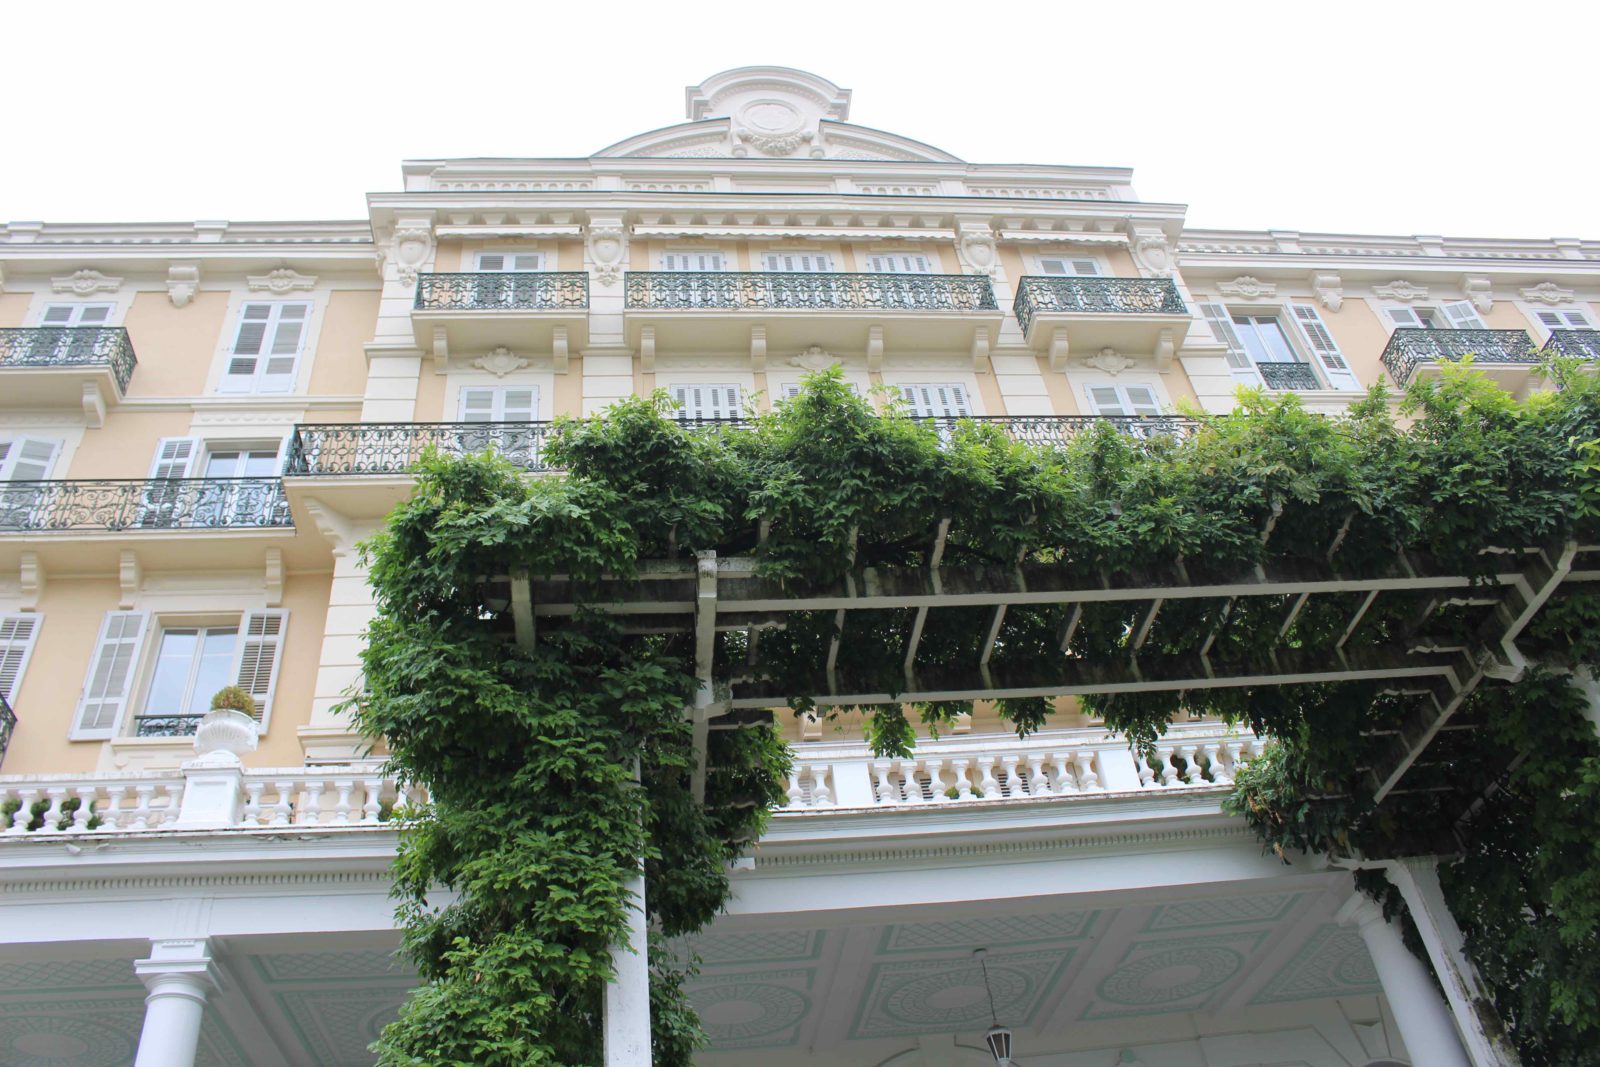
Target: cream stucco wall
<point>340,366</point>
<point>177,347</point>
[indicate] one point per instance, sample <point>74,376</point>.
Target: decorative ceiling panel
<point>758,1010</point>
<point>912,997</point>
<point>987,933</point>
<point>1332,963</point>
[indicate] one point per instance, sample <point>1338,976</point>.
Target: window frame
<point>829,258</point>
<point>305,356</point>
<point>1124,399</point>
<point>1038,260</point>
<point>541,256</point>
<point>723,259</point>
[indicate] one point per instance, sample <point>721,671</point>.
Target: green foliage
<point>233,698</point>
<point>537,820</point>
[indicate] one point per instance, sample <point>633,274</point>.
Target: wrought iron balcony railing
<point>154,504</point>
<point>1040,294</point>
<point>1288,375</point>
<point>364,448</point>
<point>796,291</point>
<point>69,346</point>
<point>8,726</point>
<point>1577,344</point>
<point>497,291</point>
<point>166,725</point>
<point>1409,348</point>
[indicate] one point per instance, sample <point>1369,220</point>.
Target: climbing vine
<point>552,767</point>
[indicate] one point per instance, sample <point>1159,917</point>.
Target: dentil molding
<point>85,283</point>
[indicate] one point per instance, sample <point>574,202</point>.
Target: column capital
<point>1359,911</point>
<point>177,965</point>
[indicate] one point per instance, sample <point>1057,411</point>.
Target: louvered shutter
<point>110,679</point>
<point>691,261</point>
<point>1106,400</point>
<point>707,401</point>
<point>174,457</point>
<point>1462,315</point>
<point>1320,340</point>
<point>76,315</point>
<point>1563,320</point>
<point>1142,400</point>
<point>937,400</point>
<point>1239,363</point>
<point>17,635</point>
<point>491,261</point>
<point>260,652</point>
<point>1083,268</point>
<point>266,347</point>
<point>57,315</point>
<point>902,263</point>
<point>516,404</point>
<point>498,262</point>
<point>277,375</point>
<point>27,459</point>
<point>1406,319</point>
<point>802,262</point>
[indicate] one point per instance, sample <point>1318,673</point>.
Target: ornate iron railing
<point>8,726</point>
<point>1409,348</point>
<point>797,291</point>
<point>1039,294</point>
<point>1288,375</point>
<point>155,504</point>
<point>365,448</point>
<point>503,291</point>
<point>69,346</point>
<point>166,725</point>
<point>1578,344</point>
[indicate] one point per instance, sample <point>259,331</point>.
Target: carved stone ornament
<point>223,735</point>
<point>85,283</point>
<point>412,246</point>
<point>1109,360</point>
<point>1152,253</point>
<point>1401,290</point>
<point>1547,293</point>
<point>500,362</point>
<point>606,247</point>
<point>977,251</point>
<point>1247,288</point>
<point>281,281</point>
<point>183,282</point>
<point>815,358</point>
<point>1329,289</point>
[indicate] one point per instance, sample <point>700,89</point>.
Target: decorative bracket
<point>31,573</point>
<point>1329,289</point>
<point>1480,291</point>
<point>129,577</point>
<point>647,349</point>
<point>272,578</point>
<point>559,358</point>
<point>183,282</point>
<point>1164,350</point>
<point>980,349</point>
<point>94,405</point>
<point>758,348</point>
<point>874,348</point>
<point>1058,348</point>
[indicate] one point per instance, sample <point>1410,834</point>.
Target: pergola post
<point>1419,1011</point>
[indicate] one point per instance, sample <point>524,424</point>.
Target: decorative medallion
<point>1247,288</point>
<point>1547,293</point>
<point>1401,290</point>
<point>1109,360</point>
<point>281,282</point>
<point>85,283</point>
<point>606,247</point>
<point>500,362</point>
<point>1332,963</point>
<point>814,358</point>
<point>1171,976</point>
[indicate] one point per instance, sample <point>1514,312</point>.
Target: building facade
<point>200,422</point>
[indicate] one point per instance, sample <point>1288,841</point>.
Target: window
<point>936,400</point>
<point>802,262</point>
<point>77,314</point>
<point>17,635</point>
<point>27,459</point>
<point>1123,400</point>
<point>1255,337</point>
<point>266,347</point>
<point>49,344</point>
<point>510,262</point>
<point>1083,267</point>
<point>1458,315</point>
<point>792,389</point>
<point>691,261</point>
<point>1563,320</point>
<point>189,663</point>
<point>900,263</point>
<point>169,499</point>
<point>707,402</point>
<point>500,404</point>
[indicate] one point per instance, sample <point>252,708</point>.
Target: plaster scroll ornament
<point>1151,252</point>
<point>977,252</point>
<point>1401,290</point>
<point>1109,360</point>
<point>412,246</point>
<point>1480,291</point>
<point>183,282</point>
<point>281,282</point>
<point>1329,289</point>
<point>500,362</point>
<point>85,283</point>
<point>1547,293</point>
<point>1247,288</point>
<point>606,246</point>
<point>814,358</point>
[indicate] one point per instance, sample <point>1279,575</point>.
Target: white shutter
<point>707,401</point>
<point>900,263</point>
<point>1123,400</point>
<point>1462,316</point>
<point>1083,268</point>
<point>1142,400</point>
<point>76,314</point>
<point>27,459</point>
<point>1106,400</point>
<point>802,262</point>
<point>106,689</point>
<point>259,653</point>
<point>1563,320</point>
<point>1239,362</point>
<point>477,405</point>
<point>937,400</point>
<point>691,261</point>
<point>58,315</point>
<point>505,404</point>
<point>499,262</point>
<point>175,457</point>
<point>266,347</point>
<point>520,404</point>
<point>17,635</point>
<point>277,374</point>
<point>1321,341</point>
<point>1406,319</point>
<point>491,261</point>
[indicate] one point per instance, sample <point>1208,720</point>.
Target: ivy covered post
<point>626,1009</point>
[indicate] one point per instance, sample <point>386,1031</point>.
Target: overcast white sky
<point>1463,119</point>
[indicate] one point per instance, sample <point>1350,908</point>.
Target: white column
<point>627,1003</point>
<point>178,975</point>
<point>1418,882</point>
<point>329,737</point>
<point>1419,1011</point>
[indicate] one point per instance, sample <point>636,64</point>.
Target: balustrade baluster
<point>1088,771</point>
<point>252,802</point>
<point>1191,768</point>
<point>283,803</point>
<point>987,785</point>
<point>81,817</point>
<point>1169,767</point>
<point>1224,756</point>
<point>961,768</point>
<point>884,792</point>
<point>111,815</point>
<point>310,810</point>
<point>52,814</point>
<point>341,806</point>
<point>143,806</point>
<point>1008,771</point>
<point>24,813</point>
<point>936,781</point>
<point>1066,785</point>
<point>821,791</point>
<point>1038,784</point>
<point>174,794</point>
<point>372,803</point>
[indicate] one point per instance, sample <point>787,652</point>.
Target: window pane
<point>172,672</point>
<point>216,659</point>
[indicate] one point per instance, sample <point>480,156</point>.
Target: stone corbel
<point>758,348</point>
<point>1058,348</point>
<point>874,348</point>
<point>559,356</point>
<point>183,282</point>
<point>1329,289</point>
<point>280,282</point>
<point>1151,251</point>
<point>129,577</point>
<point>1480,291</point>
<point>607,248</point>
<point>980,349</point>
<point>85,283</point>
<point>31,573</point>
<point>441,350</point>
<point>647,349</point>
<point>272,578</point>
<point>1164,350</point>
<point>1547,293</point>
<point>94,405</point>
<point>333,525</point>
<point>411,247</point>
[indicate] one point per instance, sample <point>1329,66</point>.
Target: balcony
<point>8,726</point>
<point>702,313</point>
<point>1081,316</point>
<point>132,506</point>
<point>527,313</point>
<point>63,367</point>
<point>1288,375</point>
<point>1572,344</point>
<point>1506,356</point>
